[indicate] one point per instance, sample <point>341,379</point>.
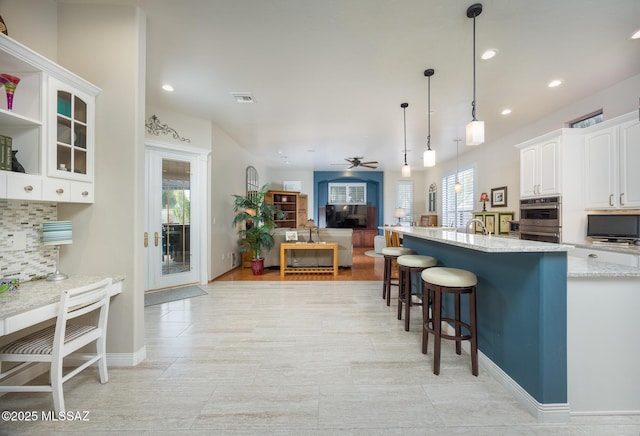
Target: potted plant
<point>257,218</point>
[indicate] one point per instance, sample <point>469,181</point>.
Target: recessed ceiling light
<point>554,83</point>
<point>506,111</point>
<point>489,54</point>
<point>636,35</point>
<point>167,87</point>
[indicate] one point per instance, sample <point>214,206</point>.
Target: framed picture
<point>490,223</point>
<point>499,197</point>
<point>477,227</point>
<point>503,222</point>
<point>291,236</point>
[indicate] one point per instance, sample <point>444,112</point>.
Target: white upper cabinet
<point>51,126</point>
<point>540,167</point>
<point>629,140</point>
<point>611,162</point>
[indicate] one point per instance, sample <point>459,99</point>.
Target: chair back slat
<point>81,301</point>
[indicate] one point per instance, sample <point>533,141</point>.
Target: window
<point>587,120</point>
<point>347,193</point>
<point>404,196</point>
<point>457,208</point>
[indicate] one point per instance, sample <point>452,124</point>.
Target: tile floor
<point>292,358</point>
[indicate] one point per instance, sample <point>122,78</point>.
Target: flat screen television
<point>614,228</point>
<point>352,216</point>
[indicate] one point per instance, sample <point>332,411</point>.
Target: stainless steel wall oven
<point>541,219</point>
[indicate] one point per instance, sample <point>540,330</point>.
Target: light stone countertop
<point>580,267</point>
<point>38,293</point>
<point>613,247</point>
<point>488,244</point>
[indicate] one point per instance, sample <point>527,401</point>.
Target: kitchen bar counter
<point>488,244</point>
<point>521,310</point>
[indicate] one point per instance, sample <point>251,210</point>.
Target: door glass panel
<point>176,217</point>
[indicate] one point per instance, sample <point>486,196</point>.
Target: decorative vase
<point>16,166</point>
<point>10,82</point>
<point>257,266</point>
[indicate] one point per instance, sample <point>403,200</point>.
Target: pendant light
<point>475,129</point>
<point>406,169</point>
<point>429,156</point>
<point>458,186</point>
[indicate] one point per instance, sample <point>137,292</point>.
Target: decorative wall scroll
<point>155,127</point>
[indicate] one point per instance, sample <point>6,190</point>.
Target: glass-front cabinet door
<point>71,146</point>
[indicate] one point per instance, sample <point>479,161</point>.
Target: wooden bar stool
<point>390,255</point>
<point>436,282</point>
<point>409,265</point>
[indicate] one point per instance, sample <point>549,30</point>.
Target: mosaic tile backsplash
<point>37,260</point>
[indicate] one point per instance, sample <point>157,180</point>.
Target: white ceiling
<point>329,76</point>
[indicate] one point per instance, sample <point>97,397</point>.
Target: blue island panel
<point>521,312</point>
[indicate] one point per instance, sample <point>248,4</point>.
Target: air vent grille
<point>243,97</point>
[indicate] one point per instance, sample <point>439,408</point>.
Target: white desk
<point>37,301</point>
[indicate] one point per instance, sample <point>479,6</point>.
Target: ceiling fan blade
<point>368,166</point>
<point>369,163</point>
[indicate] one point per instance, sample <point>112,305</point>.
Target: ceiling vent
<point>243,97</point>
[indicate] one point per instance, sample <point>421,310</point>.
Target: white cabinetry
<point>540,166</point>
<point>612,159</point>
<point>51,126</point>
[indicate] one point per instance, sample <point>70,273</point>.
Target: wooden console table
<point>284,269</point>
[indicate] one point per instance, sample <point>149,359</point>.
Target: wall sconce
<point>484,197</point>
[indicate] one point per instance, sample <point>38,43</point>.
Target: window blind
<point>404,195</point>
<point>457,208</point>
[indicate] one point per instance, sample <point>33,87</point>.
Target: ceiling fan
<point>357,162</point>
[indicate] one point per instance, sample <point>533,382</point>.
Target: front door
<point>173,225</point>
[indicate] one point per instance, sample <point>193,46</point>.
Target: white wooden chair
<point>52,344</point>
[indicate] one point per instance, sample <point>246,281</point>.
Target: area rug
<point>372,253</point>
<point>173,294</point>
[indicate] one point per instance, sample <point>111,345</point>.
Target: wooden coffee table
<point>284,269</point>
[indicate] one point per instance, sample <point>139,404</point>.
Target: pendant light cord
<point>473,103</point>
<point>404,112</point>
<point>429,113</point>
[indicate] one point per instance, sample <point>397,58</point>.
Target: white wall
<point>498,162</point>
<point>228,164</point>
<point>33,23</point>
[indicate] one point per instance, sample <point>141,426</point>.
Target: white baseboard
<point>127,359</point>
<point>546,413</point>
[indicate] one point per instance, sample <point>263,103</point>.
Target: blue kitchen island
<point>521,310</point>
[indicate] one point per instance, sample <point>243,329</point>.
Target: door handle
<point>156,238</point>
<point>611,200</point>
<point>622,199</point>
<point>146,239</point>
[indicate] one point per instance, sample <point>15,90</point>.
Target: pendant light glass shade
<point>429,156</point>
<point>475,132</point>
<point>475,129</point>
<point>406,169</point>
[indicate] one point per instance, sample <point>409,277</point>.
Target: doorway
<point>174,200</point>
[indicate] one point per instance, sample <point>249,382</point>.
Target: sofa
<point>307,258</point>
